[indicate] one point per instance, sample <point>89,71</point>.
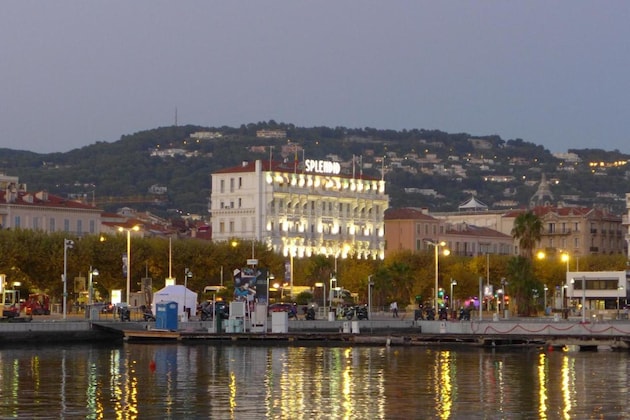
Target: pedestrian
<point>393,307</point>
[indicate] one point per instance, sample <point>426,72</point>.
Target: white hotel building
<point>300,210</point>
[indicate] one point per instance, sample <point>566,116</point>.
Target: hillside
<point>165,168</point>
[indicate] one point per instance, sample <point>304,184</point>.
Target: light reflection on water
<point>240,382</point>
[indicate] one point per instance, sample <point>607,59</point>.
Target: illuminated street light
<point>67,244</point>
<point>93,272</point>
<point>122,229</point>
<point>187,275</point>
<point>504,283</point>
<point>450,297</point>
<point>436,246</point>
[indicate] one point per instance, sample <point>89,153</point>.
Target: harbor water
<point>201,380</point>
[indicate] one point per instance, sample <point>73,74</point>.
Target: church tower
<point>543,195</point>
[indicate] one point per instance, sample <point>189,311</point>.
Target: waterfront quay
<point>544,332</point>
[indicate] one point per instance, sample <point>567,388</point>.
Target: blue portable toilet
<point>166,316</point>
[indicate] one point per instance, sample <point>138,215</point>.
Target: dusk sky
<point>554,73</point>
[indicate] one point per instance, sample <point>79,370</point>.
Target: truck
<point>37,304</point>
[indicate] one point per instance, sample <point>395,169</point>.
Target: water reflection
<point>201,381</point>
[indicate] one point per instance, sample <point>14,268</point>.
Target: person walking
<point>393,307</point>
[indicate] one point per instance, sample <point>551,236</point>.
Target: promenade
<point>490,331</point>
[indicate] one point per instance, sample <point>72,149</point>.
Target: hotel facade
<point>300,210</point>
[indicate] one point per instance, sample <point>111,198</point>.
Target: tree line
<point>36,260</point>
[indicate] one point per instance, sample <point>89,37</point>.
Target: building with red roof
<point>20,209</point>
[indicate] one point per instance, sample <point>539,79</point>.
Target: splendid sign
<point>322,166</point>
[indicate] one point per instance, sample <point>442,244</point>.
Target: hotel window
<point>17,221</point>
<point>92,226</point>
<point>222,188</point>
<point>552,228</point>
<point>231,226</point>
<point>51,225</point>
<point>240,203</point>
<point>66,225</point>
<point>240,182</point>
<point>36,223</point>
<point>79,227</point>
<point>231,184</point>
<point>576,226</point>
<point>222,227</point>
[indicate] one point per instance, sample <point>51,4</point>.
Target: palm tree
<point>527,230</point>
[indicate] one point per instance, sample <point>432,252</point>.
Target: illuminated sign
<point>322,166</point>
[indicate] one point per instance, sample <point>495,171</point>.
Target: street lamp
<point>436,246</point>
<point>619,289</point>
<point>450,297</point>
<point>67,244</point>
<point>504,283</point>
<point>370,286</point>
<point>565,259</point>
<point>122,229</point>
<point>187,275</point>
<point>93,272</point>
<point>545,288</point>
<point>583,297</point>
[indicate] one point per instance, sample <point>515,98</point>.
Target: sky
<point>554,73</point>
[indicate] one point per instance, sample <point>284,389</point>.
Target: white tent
<point>177,293</point>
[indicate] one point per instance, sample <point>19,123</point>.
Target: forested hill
<point>424,168</point>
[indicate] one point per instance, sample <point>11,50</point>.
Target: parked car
<point>107,308</point>
<point>290,308</point>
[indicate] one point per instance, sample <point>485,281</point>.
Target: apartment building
<point>20,209</point>
<point>412,229</point>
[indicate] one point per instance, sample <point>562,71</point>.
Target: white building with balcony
<point>301,209</point>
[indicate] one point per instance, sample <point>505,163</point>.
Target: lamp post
<point>565,258</point>
<point>67,244</point>
<point>619,289</point>
<point>122,229</point>
<point>187,275</point>
<point>436,246</point>
<point>504,283</point>
<point>562,293</point>
<point>583,299</point>
<point>333,288</point>
<point>545,288</point>
<point>450,297</point>
<point>291,272</point>
<point>370,286</point>
<point>93,272</point>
